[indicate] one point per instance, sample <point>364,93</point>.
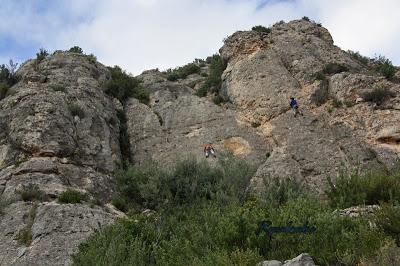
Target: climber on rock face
<point>209,149</point>
<point>295,107</point>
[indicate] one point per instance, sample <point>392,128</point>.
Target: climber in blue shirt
<point>295,107</point>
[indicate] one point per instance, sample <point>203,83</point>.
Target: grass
<point>72,196</point>
<point>31,192</point>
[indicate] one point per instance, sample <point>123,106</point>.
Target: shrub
<point>76,49</point>
<point>214,81</point>
<point>92,58</point>
<point>360,58</point>
<point>388,254</point>
<point>336,102</point>
<point>334,68</point>
<point>371,188</point>
<point>41,55</point>
<point>320,76</point>
<point>182,72</point>
<point>384,67</point>
<point>189,180</point>
<point>72,196</point>
<point>122,86</point>
<point>277,192</point>
<point>387,218</point>
<point>218,99</point>
<point>58,88</point>
<point>124,143</point>
<point>378,95</point>
<point>31,192</point>
<point>261,29</point>
<point>204,233</point>
<point>305,18</point>
<point>24,236</point>
<point>76,110</point>
<point>8,77</point>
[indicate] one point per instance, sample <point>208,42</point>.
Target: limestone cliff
<point>59,129</point>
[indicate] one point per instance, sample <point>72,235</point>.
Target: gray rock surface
<point>303,259</point>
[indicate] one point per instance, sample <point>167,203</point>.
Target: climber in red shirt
<point>209,149</point>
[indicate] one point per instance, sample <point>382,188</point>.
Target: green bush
<point>388,254</point>
<point>378,95</point>
<point>72,196</point>
<point>214,81</point>
<point>205,233</point>
<point>320,76</point>
<point>182,72</point>
<point>278,191</point>
<point>261,29</point>
<point>58,88</point>
<point>189,180</point>
<point>92,58</point>
<point>387,218</point>
<point>360,58</point>
<point>41,55</point>
<point>384,67</point>
<point>334,68</point>
<point>76,110</point>
<point>371,188</point>
<point>31,192</point>
<point>124,144</point>
<point>305,18</point>
<point>76,49</point>
<point>8,77</point>
<point>122,86</point>
<point>24,236</point>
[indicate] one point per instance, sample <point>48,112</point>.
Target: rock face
<point>59,130</point>
<point>302,260</point>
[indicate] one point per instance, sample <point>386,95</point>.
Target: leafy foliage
<point>122,86</point>
<point>306,18</point>
<point>360,58</point>
<point>76,110</point>
<point>41,55</point>
<point>388,219</point>
<point>8,77</point>
<point>214,81</point>
<point>261,29</point>
<point>378,95</point>
<point>190,180</point>
<point>72,196</point>
<point>334,68</point>
<point>182,72</point>
<point>76,49</point>
<point>31,192</point>
<point>372,188</point>
<point>384,67</point>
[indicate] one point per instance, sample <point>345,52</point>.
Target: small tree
<point>385,67</point>
<point>41,55</point>
<point>76,49</point>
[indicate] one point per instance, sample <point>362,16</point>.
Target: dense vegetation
<point>7,77</point>
<point>214,81</point>
<point>203,216</point>
<point>378,95</point>
<point>384,67</point>
<point>182,72</point>
<point>261,29</point>
<point>122,86</point>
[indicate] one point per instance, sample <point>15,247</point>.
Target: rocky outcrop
<point>59,131</point>
<point>177,124</point>
<point>302,260</point>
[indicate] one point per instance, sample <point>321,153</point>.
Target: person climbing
<point>209,149</point>
<point>295,107</point>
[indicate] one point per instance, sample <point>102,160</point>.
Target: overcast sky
<point>145,34</point>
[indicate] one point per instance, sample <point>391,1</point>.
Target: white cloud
<point>143,34</point>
